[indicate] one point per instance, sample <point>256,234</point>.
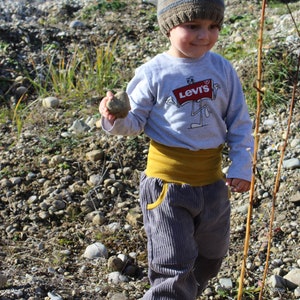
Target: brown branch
<point>256,147</point>
<point>277,180</point>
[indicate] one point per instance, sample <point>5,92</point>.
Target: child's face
<point>193,39</point>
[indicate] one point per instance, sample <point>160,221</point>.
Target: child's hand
<point>103,109</point>
<point>238,185</point>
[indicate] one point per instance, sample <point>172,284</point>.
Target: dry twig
<point>256,146</point>
<point>277,180</point>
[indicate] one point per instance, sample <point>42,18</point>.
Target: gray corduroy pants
<point>188,232</point>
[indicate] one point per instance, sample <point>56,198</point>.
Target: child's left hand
<point>238,185</point>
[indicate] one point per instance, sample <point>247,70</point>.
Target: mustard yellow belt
<point>179,165</point>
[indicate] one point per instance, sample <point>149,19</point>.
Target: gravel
<point>70,222</point>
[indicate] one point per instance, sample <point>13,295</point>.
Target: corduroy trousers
<point>188,232</point>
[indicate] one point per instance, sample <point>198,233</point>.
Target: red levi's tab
<point>195,92</point>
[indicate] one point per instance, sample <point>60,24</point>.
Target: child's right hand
<point>103,109</point>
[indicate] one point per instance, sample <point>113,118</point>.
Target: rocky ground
<point>70,221</point>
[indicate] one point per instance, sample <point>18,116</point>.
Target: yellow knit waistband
<point>179,165</point>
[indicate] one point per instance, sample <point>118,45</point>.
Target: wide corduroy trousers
<point>188,231</point>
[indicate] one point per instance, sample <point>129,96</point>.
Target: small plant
<point>3,47</point>
<point>62,241</point>
<point>5,172</point>
<point>280,68</point>
<point>64,166</point>
<point>5,115</point>
<point>18,114</point>
<point>102,6</point>
<point>80,75</point>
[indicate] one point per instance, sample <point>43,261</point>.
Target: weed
<point>102,6</point>
<point>5,172</point>
<point>80,75</point>
<point>5,115</point>
<point>3,48</point>
<point>17,117</point>
<point>280,68</point>
<point>83,74</point>
<point>249,293</point>
<point>65,241</point>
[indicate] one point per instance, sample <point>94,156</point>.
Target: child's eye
<point>192,26</point>
<point>214,26</point>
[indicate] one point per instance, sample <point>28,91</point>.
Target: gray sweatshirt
<point>190,103</point>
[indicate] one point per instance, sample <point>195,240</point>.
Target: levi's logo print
<point>196,94</point>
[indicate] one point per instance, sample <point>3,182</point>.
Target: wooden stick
<point>277,180</point>
<point>256,146</point>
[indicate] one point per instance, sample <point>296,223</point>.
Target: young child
<point>189,102</point>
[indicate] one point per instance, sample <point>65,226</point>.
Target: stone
<point>94,180</point>
<point>56,160</point>
<point>78,127</point>
<point>118,296</point>
<point>130,270</point>
<point>21,90</point>
<point>292,163</point>
<point>95,250</point>
<point>54,296</point>
<point>134,217</point>
<point>94,155</point>
<point>297,292</point>
<point>293,276</point>
<point>76,24</point>
<point>116,278</point>
<point>295,198</point>
<point>50,102</point>
<point>115,264</point>
<point>277,281</point>
<point>119,105</point>
<point>3,280</point>
<point>98,218</point>
<point>226,283</point>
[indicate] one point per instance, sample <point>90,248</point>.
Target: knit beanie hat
<point>171,13</point>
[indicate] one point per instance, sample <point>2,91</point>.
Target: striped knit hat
<point>171,13</point>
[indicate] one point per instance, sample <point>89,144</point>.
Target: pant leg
<point>172,250</point>
<point>212,232</point>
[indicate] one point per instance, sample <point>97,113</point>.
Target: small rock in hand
<point>119,105</point>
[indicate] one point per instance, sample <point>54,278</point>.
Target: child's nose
<point>203,33</point>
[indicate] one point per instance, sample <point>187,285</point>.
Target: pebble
<point>77,24</point>
<point>292,163</point>
<point>79,127</point>
<point>113,227</point>
<point>277,281</point>
<point>226,283</point>
<point>116,278</point>
<point>269,122</point>
<point>119,105</point>
<point>118,296</point>
<point>95,155</point>
<point>3,280</point>
<point>98,218</point>
<point>50,102</point>
<point>56,160</point>
<point>15,180</point>
<point>295,143</point>
<point>95,250</point>
<point>115,264</point>
<point>94,180</point>
<point>54,296</point>
<point>153,2</point>
<point>293,276</point>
